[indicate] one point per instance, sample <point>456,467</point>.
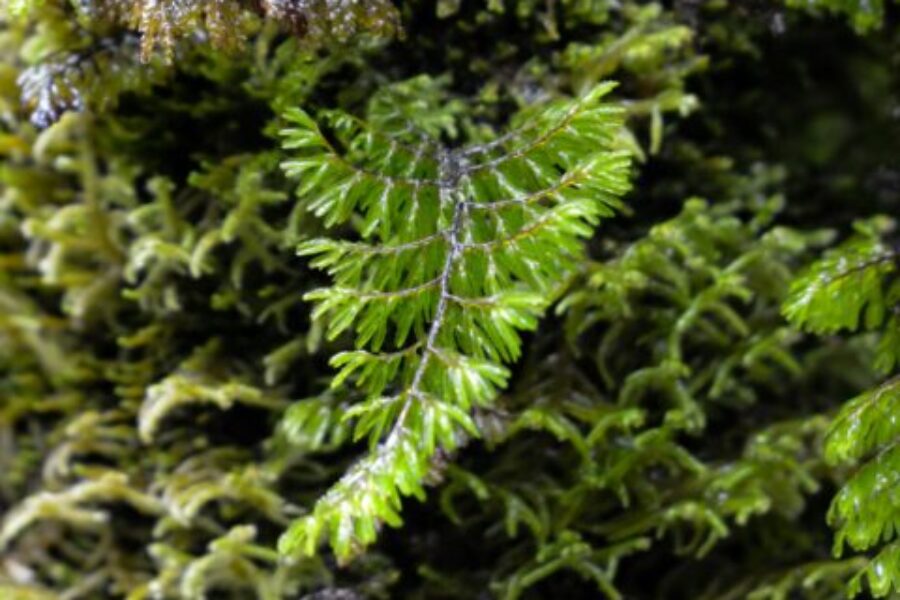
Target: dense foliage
<point>332,299</point>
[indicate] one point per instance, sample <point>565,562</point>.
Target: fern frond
<point>459,250</point>
<point>866,509</point>
<point>845,290</point>
<point>856,287</point>
<point>881,573</point>
<point>865,423</point>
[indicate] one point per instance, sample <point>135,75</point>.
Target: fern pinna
<point>856,287</point>
<point>450,253</point>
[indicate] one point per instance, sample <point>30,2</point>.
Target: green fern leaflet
<point>442,257</point>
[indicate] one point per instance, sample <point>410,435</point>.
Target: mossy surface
<point>498,299</point>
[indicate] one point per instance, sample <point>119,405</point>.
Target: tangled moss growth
<point>333,299</point>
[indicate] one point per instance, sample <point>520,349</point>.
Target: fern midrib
<point>449,169</point>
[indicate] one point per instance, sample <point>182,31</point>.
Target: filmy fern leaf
<point>449,253</point>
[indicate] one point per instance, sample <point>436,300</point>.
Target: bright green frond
<point>856,287</point>
<point>456,251</point>
<point>847,288</point>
